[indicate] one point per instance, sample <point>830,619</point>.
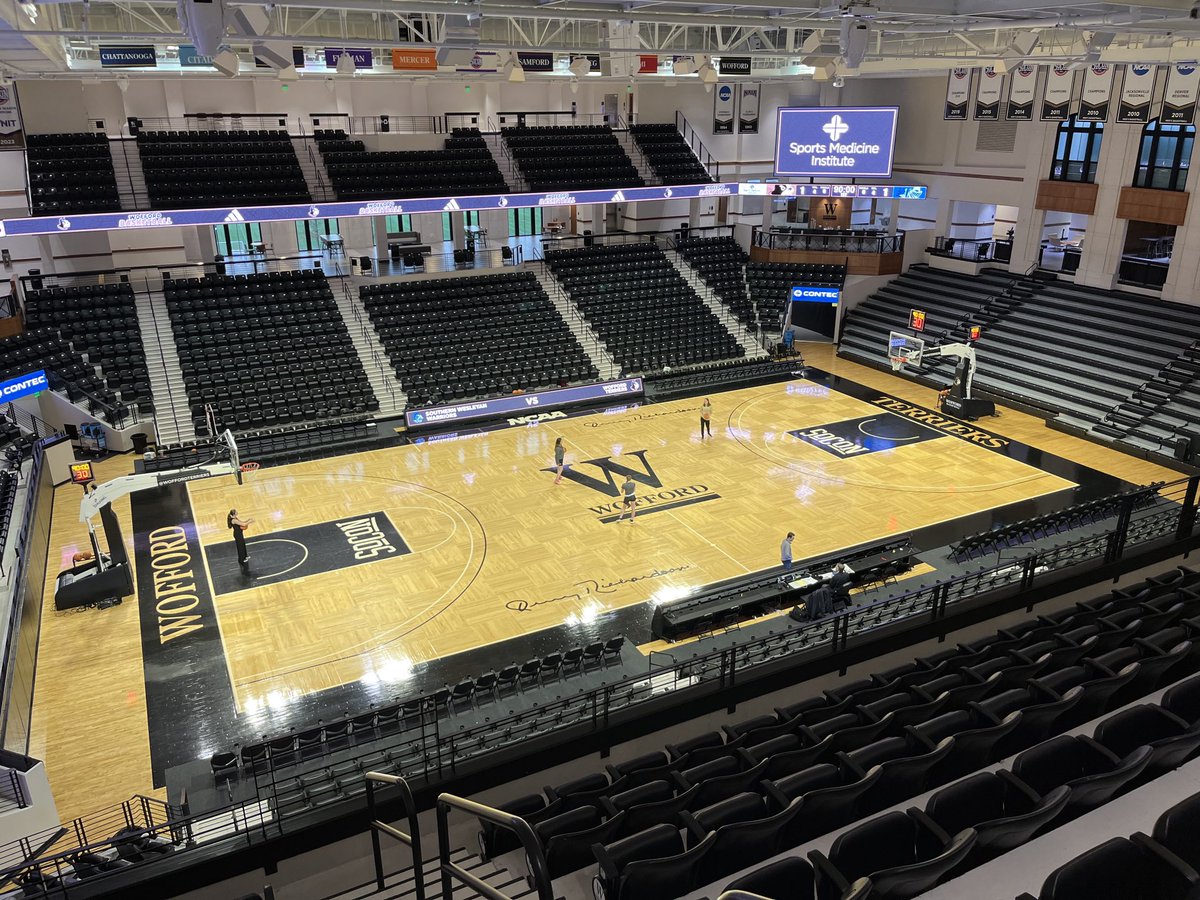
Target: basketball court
<point>365,568</point>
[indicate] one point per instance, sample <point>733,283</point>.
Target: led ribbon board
<point>520,404</point>
<point>837,142</point>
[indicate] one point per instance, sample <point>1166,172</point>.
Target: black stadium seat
<point>70,173</point>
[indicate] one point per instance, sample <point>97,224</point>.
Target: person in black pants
<point>239,527</point>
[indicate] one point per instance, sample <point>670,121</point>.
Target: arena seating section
<point>66,369</point>
<point>265,349</point>
<point>752,289</point>
<point>1079,352</point>
<point>220,168</point>
<point>641,307</point>
<point>464,166</point>
<point>568,157</point>
<point>718,803</point>
<point>99,320</point>
<point>70,173</point>
<point>454,338</point>
<point>669,155</point>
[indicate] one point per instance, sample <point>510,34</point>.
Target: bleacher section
<point>66,369</point>
<point>220,168</point>
<point>770,285</point>
<point>641,307</point>
<point>100,321</point>
<point>265,349</point>
<point>464,166</point>
<point>70,173</point>
<point>567,157</point>
<point>669,155</point>
<point>454,338</point>
<point>695,814</point>
<point>1082,353</point>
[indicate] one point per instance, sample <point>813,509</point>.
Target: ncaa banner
<point>723,109</point>
<point>987,95</point>
<point>958,95</point>
<point>748,108</point>
<point>1097,93</point>
<point>1179,99</point>
<point>1022,93</point>
<point>1056,99</point>
<point>12,133</point>
<point>1137,94</point>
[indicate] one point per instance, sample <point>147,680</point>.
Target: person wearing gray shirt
<point>628,500</point>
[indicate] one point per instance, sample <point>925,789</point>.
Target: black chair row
<point>70,173</point>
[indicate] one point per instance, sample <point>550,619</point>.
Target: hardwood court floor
<point>499,550</point>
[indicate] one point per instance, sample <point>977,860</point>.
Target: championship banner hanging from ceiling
<point>723,109</point>
<point>12,134</point>
<point>1056,99</point>
<point>1097,93</point>
<point>1022,93</point>
<point>958,95</point>
<point>1137,94</point>
<point>988,94</point>
<point>1179,99</point>
<point>748,108</point>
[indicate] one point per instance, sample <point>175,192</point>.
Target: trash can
<point>364,263</point>
<point>140,440</point>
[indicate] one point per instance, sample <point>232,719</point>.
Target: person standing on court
<point>785,551</point>
<point>705,419</point>
<point>560,453</point>
<point>629,500</point>
<point>239,527</point>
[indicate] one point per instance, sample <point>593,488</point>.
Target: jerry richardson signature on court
<point>590,587</point>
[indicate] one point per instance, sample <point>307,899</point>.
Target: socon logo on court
<point>606,475</point>
<point>865,435</point>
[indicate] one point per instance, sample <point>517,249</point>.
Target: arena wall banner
<point>1137,94</point>
<point>521,404</point>
<point>120,221</point>
<point>1097,93</point>
<point>12,132</point>
<point>1179,99</point>
<point>1022,93</point>
<point>748,108</point>
<point>723,109</point>
<point>988,94</point>
<point>1056,99</point>
<point>958,94</point>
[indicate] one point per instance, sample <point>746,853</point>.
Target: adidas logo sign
<point>618,197</point>
<point>452,206</point>
<point>235,216</point>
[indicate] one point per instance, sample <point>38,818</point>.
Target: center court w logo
<point>605,476</point>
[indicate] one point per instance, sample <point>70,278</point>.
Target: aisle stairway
<point>131,182</point>
<point>171,412</point>
<point>740,332</point>
<point>402,884</point>
<point>382,377</point>
<point>588,339</point>
<point>311,164</point>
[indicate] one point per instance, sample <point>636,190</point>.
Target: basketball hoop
<point>897,362</point>
<point>250,467</point>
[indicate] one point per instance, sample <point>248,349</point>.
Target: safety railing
<point>463,120</point>
<point>692,137</point>
<point>550,118</point>
<point>366,330</point>
<point>451,872</point>
<point>830,241</point>
<point>390,124</point>
<point>1143,273</point>
<point>324,192</point>
<point>37,427</point>
<point>410,839</point>
<point>972,249</point>
<point>223,121</point>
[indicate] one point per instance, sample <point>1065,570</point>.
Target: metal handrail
<point>830,241</point>
<point>694,141</point>
<point>451,872</point>
<point>412,839</point>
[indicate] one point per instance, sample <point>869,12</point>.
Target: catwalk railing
<point>426,751</point>
<point>831,241</point>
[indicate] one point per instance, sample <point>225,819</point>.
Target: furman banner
<point>748,108</point>
<point>1179,99</point>
<point>1056,100</point>
<point>958,94</point>
<point>1137,94</point>
<point>1022,93</point>
<point>1097,93</point>
<point>723,109</point>
<point>987,95</point>
<point>363,59</point>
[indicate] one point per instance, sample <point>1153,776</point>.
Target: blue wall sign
<point>806,293</point>
<point>836,142</point>
<point>191,58</point>
<point>23,386</point>
<point>128,58</point>
<point>521,404</point>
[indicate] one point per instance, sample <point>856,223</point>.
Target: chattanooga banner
<point>958,94</point>
<point>987,97</point>
<point>1056,101</point>
<point>748,108</point>
<point>1097,93</point>
<point>1022,93</point>
<point>1137,94</point>
<point>723,109</point>
<point>1179,99</point>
